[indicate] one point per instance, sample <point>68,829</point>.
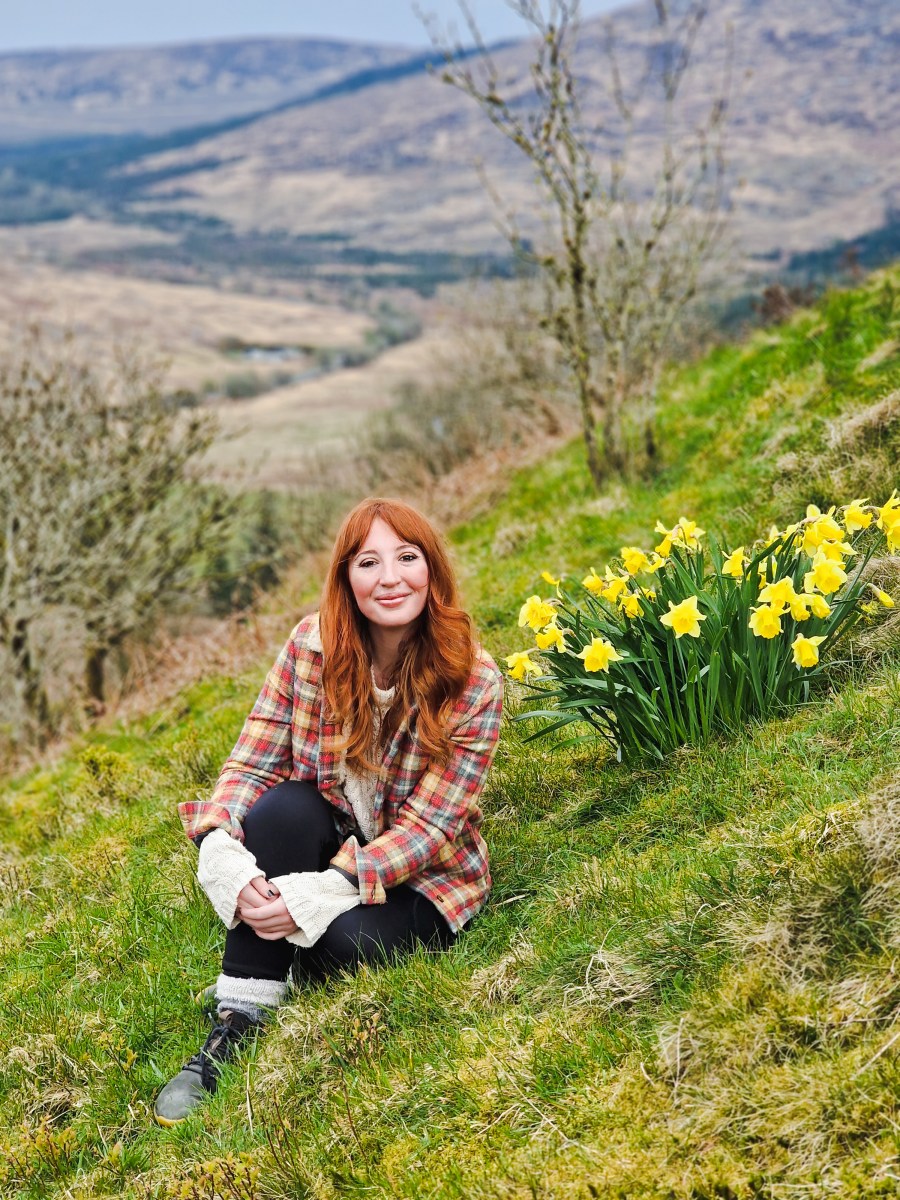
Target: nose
<point>389,575</point>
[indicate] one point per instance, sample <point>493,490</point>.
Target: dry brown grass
<point>183,324</point>
<point>206,647</point>
<point>272,440</point>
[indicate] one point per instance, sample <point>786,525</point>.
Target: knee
<point>289,811</point>
<point>339,949</point>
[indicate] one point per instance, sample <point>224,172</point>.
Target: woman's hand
<point>261,907</point>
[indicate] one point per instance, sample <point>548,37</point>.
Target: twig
<point>887,1045</point>
<point>356,1136</point>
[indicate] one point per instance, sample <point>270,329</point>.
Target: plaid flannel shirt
<point>429,814</point>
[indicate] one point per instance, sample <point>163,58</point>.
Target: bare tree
<point>628,245</point>
<point>98,516</point>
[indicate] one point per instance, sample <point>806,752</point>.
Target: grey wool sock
<point>255,998</point>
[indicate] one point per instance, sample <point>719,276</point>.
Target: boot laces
<point>220,1045</point>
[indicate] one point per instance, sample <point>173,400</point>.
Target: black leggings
<point>291,828</point>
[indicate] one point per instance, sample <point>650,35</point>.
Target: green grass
<point>684,985</point>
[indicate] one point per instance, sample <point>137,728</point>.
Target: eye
<point>366,562</point>
<point>409,556</point>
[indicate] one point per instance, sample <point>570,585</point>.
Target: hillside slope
<point>153,89</point>
<point>361,148</point>
<point>815,127</point>
<point>684,986</point>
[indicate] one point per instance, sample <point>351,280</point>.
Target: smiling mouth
<point>391,599</point>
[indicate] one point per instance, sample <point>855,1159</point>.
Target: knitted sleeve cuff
<point>314,899</point>
<point>224,868</point>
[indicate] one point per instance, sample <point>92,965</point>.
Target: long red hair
<point>436,657</point>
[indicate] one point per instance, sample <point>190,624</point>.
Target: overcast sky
<point>61,23</point>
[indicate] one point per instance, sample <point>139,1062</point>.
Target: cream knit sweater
<point>313,898</point>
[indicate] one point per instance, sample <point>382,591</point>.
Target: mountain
<point>155,89</point>
<point>814,135</point>
<point>381,160</point>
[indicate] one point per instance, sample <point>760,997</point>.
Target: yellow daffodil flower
<point>855,517</point>
<point>799,606</point>
<point>883,598</point>
<point>826,576</point>
<point>819,605</point>
<point>614,589</point>
<point>664,549</point>
<point>520,665</point>
<point>633,559</point>
<point>552,636</point>
<point>684,618</point>
<point>689,533</point>
<point>889,513</point>
<point>599,654</point>
<point>765,621</point>
<point>778,594</point>
<point>823,528</point>
<point>889,521</point>
<point>631,606</point>
<point>536,613</point>
<point>836,551</point>
<point>548,578</point>
<point>593,582</point>
<point>734,564</point>
<point>806,650</point>
<point>650,593</point>
<point>654,564</point>
<point>776,537</point>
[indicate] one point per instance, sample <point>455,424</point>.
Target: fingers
<point>271,920</point>
<point>256,894</point>
<point>264,887</point>
<point>259,914</point>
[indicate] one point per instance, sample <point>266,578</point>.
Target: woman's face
<point>389,578</point>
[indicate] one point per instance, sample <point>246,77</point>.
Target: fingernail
<point>271,893</point>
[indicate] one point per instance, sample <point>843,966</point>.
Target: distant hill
<point>815,135</point>
<point>362,149</point>
<point>154,89</point>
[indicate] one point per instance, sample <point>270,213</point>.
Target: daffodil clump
<point>667,646</point>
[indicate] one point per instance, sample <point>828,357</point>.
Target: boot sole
<point>168,1122</point>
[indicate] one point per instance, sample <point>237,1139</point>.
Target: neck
<point>385,651</point>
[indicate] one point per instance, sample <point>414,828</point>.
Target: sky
<point>62,23</point>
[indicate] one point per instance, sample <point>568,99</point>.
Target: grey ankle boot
<point>198,1078</point>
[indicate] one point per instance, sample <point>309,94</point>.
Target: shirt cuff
<point>314,899</point>
<point>355,860</point>
<point>224,868</point>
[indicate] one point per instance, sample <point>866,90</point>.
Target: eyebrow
<point>402,546</point>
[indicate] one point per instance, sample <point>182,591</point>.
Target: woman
<point>344,827</point>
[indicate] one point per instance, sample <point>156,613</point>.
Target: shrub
<point>497,386</point>
<point>710,639</point>
<point>244,385</point>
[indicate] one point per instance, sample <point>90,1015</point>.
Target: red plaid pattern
<point>431,818</point>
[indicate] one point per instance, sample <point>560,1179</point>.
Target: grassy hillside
<point>685,983</point>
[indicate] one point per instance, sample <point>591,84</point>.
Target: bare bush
<point>499,386</point>
<point>100,520</point>
<point>635,205</point>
